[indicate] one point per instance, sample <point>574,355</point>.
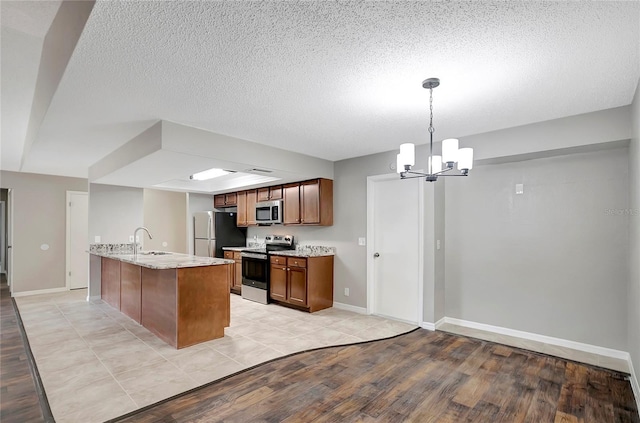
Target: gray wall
<point>633,324</point>
<point>551,261</point>
<point>114,212</point>
<point>39,217</point>
<point>165,215</point>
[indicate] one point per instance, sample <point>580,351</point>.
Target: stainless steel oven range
<point>255,267</point>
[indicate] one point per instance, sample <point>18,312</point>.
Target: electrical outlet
<point>130,238</point>
<point>519,188</point>
<point>346,292</point>
<point>437,244</point>
<point>362,241</point>
<point>137,238</point>
<point>97,238</point>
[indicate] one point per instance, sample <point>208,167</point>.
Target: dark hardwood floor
<point>20,400</point>
<point>417,377</point>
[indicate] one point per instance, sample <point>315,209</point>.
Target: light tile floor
<point>97,364</point>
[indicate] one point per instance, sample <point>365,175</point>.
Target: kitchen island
<point>182,299</point>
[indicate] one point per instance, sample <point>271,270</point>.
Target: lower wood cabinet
<point>236,271</point>
<point>304,282</point>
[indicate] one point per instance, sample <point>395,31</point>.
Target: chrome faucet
<point>135,242</point>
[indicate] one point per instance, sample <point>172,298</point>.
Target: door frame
<point>9,246</point>
<point>371,181</point>
<point>3,237</point>
<point>67,269</point>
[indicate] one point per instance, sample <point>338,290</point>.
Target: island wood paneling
<point>203,304</point>
<point>130,290</point>
<point>158,305</point>
<point>110,281</point>
<point>422,376</point>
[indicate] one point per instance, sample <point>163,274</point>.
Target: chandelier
<point>438,165</point>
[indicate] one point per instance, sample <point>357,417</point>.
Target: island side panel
<point>158,303</point>
<point>130,289</point>
<point>203,304</point>
<point>110,281</point>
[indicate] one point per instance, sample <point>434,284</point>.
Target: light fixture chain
<point>431,129</point>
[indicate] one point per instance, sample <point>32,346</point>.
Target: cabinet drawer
<point>237,256</point>
<point>278,260</point>
<point>228,255</point>
<point>296,262</point>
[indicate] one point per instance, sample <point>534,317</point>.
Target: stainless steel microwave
<point>269,212</point>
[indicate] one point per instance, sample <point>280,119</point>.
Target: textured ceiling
<point>334,79</point>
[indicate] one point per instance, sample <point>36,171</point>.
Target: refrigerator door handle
<point>209,237</point>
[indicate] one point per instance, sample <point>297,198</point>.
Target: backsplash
<point>315,249</point>
<point>112,248</point>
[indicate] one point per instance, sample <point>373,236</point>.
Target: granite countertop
<point>307,251</point>
<point>165,261</point>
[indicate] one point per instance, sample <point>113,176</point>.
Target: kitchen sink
<point>154,253</point>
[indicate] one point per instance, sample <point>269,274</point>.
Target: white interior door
<point>77,240</point>
<point>395,232</point>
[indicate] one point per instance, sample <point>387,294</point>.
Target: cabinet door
<point>291,195</point>
<point>218,200</point>
<point>230,199</point>
<point>237,281</point>
<point>232,275</point>
<point>278,282</point>
<point>251,207</point>
<point>110,285</point>
<point>241,215</point>
<point>298,286</point>
<point>275,193</point>
<point>310,202</point>
<point>263,194</point>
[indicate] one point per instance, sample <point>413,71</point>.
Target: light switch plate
<point>97,238</point>
<point>346,292</point>
<point>362,241</point>
<point>438,244</point>
<point>519,188</point>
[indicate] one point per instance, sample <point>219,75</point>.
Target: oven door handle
<point>254,256</point>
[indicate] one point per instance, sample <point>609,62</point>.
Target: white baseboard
<point>428,326</point>
<point>349,307</point>
<point>593,349</point>
<point>634,383</point>
<point>39,291</point>
<point>439,323</point>
<point>94,297</point>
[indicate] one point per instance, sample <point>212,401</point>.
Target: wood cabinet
<point>291,196</point>
<point>309,203</point>
<point>110,282</point>
<point>130,290</point>
<point>235,279</point>
<point>185,306</point>
<point>246,208</point>
<point>306,283</point>
<point>225,200</point>
<point>270,193</point>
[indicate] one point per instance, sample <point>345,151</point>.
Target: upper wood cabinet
<point>291,196</point>
<point>270,193</point>
<point>246,213</point>
<point>225,200</point>
<point>241,213</point>
<point>305,203</point>
<point>252,197</point>
<point>308,203</point>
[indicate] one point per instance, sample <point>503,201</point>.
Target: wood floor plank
<point>421,377</point>
<point>20,400</point>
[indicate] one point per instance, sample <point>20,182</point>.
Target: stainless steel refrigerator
<point>213,230</point>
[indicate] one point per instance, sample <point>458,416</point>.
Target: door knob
<point>376,255</point>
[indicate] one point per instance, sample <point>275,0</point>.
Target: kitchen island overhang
<point>182,299</point>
